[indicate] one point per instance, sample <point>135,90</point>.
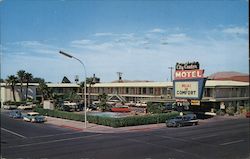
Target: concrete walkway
<point>79,126</point>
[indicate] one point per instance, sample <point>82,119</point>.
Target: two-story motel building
<point>216,92</point>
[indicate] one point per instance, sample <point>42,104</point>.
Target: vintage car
<point>15,114</point>
<point>9,107</point>
<point>34,117</point>
<point>24,107</point>
<point>183,120</point>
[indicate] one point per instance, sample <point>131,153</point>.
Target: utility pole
<point>171,73</point>
<point>119,76</point>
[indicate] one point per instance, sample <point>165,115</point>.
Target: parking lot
<point>59,138</point>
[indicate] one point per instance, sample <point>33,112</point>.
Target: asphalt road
<point>225,139</point>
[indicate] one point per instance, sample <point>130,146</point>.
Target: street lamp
<point>85,83</point>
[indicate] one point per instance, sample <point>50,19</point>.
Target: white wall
<point>7,95</point>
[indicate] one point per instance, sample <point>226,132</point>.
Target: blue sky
<point>139,38</point>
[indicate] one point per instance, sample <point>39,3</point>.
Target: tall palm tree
<point>12,80</point>
<point>28,77</point>
<point>43,88</point>
<point>21,78</point>
<point>82,89</point>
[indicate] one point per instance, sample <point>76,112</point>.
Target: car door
<point>28,117</point>
<point>185,121</point>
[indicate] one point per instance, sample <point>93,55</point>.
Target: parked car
<point>15,114</point>
<point>185,120</point>
<point>34,117</point>
<point>24,107</point>
<point>92,107</point>
<point>9,107</point>
<point>192,116</point>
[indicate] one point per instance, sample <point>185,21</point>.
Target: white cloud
<point>30,48</point>
<point>236,30</point>
<point>82,42</point>
<point>137,55</point>
<point>104,34</point>
<point>157,30</point>
<point>177,38</point>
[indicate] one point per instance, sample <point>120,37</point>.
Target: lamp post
<point>85,83</point>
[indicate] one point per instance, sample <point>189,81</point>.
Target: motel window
<point>207,92</point>
<point>242,92</point>
<point>151,91</point>
<point>144,91</point>
<point>164,91</point>
<point>127,90</point>
<point>139,90</point>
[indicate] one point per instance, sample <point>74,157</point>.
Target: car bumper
<point>170,124</point>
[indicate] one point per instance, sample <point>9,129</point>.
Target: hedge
<point>109,121</point>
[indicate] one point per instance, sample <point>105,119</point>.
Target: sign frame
<point>201,85</point>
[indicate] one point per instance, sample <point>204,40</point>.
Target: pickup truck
<point>185,120</point>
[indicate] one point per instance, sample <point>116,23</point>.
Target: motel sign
<point>188,81</point>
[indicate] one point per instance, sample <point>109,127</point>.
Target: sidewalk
<point>79,126</point>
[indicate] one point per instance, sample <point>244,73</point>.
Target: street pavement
<point>226,137</point>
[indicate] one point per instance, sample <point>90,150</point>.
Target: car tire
<point>179,125</point>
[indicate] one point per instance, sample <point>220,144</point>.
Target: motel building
<point>216,93</point>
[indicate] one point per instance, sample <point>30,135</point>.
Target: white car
<point>9,107</point>
<point>23,107</point>
<point>34,117</point>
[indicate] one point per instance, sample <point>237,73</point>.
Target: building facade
<point>216,93</point>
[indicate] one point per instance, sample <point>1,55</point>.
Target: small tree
<point>43,88</point>
<point>155,108</point>
<point>103,102</point>
<point>230,110</point>
<point>72,97</point>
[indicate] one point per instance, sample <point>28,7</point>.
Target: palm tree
<point>89,81</point>
<point>28,77</point>
<point>103,98</point>
<point>43,88</point>
<point>12,80</point>
<point>82,89</point>
<point>21,77</point>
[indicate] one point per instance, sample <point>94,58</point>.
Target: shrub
<point>155,108</point>
<point>230,110</point>
<point>109,121</point>
<point>220,112</point>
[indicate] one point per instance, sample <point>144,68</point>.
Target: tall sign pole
<point>171,73</point>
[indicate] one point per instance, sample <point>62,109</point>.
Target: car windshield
<point>33,114</point>
<point>178,117</point>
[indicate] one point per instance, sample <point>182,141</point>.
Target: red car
<point>248,115</point>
